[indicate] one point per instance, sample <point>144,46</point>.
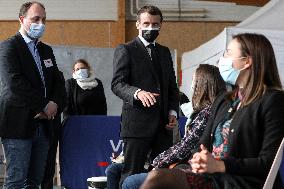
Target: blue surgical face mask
<point>228,73</point>
<point>36,30</point>
<point>81,74</point>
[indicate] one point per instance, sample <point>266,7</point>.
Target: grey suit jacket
<point>21,88</point>
<point>133,70</point>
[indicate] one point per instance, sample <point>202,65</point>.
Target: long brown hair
<point>264,73</point>
<point>208,83</point>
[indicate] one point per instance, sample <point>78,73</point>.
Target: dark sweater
<point>85,102</point>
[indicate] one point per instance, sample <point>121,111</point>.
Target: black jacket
<point>132,70</point>
<point>256,132</point>
<point>21,88</point>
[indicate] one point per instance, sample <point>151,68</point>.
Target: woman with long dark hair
<point>245,129</point>
<point>207,84</point>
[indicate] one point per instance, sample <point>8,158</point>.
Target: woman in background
<point>85,92</point>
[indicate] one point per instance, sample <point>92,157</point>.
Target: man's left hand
<point>51,110</point>
<point>172,122</point>
<point>41,115</point>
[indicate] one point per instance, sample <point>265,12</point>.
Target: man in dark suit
<point>29,99</point>
<point>47,180</point>
<point>144,79</point>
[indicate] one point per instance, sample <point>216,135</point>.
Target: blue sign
<point>86,146</point>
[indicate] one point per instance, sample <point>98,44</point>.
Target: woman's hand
<point>204,162</point>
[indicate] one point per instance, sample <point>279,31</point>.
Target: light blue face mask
<point>81,74</point>
<point>228,73</point>
<point>36,30</point>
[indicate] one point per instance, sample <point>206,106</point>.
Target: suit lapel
<point>41,54</point>
<point>141,49</point>
<point>29,62</point>
<point>160,60</point>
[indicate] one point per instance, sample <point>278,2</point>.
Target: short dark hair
<point>26,6</point>
<point>153,10</point>
<point>83,61</point>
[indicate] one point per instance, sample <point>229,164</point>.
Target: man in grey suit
<point>144,78</point>
<point>30,98</point>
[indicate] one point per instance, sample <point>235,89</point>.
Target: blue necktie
<point>39,67</point>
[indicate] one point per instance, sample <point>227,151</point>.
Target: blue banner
<point>86,146</point>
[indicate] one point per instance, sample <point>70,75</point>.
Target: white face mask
<point>192,86</point>
<point>81,74</point>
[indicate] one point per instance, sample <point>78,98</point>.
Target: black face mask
<point>150,34</point>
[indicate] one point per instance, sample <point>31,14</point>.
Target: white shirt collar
<point>145,43</point>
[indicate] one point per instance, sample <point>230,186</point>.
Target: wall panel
<point>183,36</point>
<point>79,33</point>
<point>66,9</point>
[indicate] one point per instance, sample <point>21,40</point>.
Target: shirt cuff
<point>172,112</point>
<point>135,94</point>
<point>45,108</point>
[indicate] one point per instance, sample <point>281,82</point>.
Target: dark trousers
<point>47,181</point>
<point>136,149</point>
